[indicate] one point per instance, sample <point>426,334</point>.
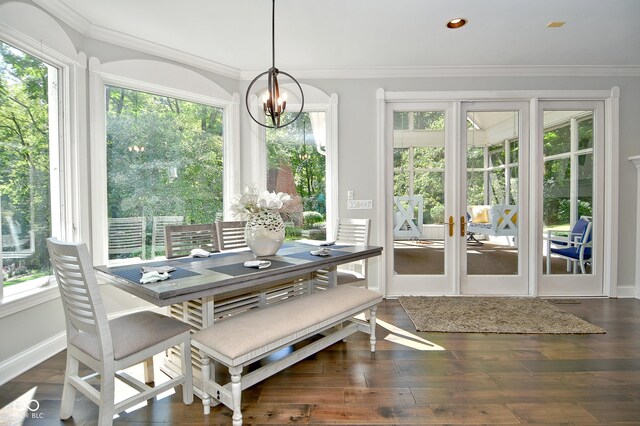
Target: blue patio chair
<point>575,247</point>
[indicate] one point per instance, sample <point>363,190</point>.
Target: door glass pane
<point>164,165</point>
<point>568,189</point>
<point>418,177</point>
<point>296,160</point>
<point>492,193</point>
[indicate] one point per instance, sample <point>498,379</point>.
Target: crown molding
<point>88,29</point>
<point>465,71</point>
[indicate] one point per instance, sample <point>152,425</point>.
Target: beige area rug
<point>493,315</point>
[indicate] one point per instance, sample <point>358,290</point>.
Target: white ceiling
<point>352,35</point>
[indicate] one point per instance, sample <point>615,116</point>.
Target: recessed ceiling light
<point>457,23</point>
<point>555,24</point>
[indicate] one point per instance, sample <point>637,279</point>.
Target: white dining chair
<point>231,234</point>
<point>108,347</point>
<point>353,232</point>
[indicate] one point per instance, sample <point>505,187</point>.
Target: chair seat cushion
<point>572,252</point>
<point>133,333</point>
<point>346,277</point>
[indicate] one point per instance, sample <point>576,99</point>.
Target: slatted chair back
<point>231,234</point>
<point>127,235</point>
<point>353,231</point>
<point>81,299</point>
<point>181,239</point>
<point>158,229</point>
<point>108,347</point>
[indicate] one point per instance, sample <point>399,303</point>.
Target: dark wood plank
<point>470,379</point>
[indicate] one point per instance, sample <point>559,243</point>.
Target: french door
<point>455,164</point>
<point>570,191</point>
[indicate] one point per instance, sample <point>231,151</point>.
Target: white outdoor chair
<point>353,231</point>
<point>107,347</point>
<point>157,231</point>
<point>127,236</point>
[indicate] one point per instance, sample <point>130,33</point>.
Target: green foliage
<point>24,157</point>
<point>310,218</point>
<point>437,213</point>
<point>176,135</point>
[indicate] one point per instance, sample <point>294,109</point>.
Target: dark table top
<point>224,273</point>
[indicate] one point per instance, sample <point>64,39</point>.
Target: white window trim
<point>175,82</point>
<point>71,111</point>
<point>315,101</point>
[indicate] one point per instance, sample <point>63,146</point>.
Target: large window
<point>296,160</point>
<point>28,150</point>
<point>164,164</point>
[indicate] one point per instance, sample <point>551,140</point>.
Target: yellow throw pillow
<point>479,214</point>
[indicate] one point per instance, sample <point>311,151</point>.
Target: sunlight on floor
<point>405,338</point>
<point>21,409</point>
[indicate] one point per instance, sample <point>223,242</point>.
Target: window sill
<point>27,297</point>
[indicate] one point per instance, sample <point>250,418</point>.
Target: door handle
<point>463,224</point>
<point>451,225</point>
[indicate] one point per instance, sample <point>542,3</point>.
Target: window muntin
<point>164,158</point>
<point>28,163</point>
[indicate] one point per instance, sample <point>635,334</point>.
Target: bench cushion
<point>256,332</point>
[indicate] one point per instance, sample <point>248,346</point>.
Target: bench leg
<point>236,394</point>
<point>372,323</point>
<point>206,374</point>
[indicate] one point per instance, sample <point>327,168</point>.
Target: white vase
<point>264,232</point>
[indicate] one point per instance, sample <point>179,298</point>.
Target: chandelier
<point>274,101</point>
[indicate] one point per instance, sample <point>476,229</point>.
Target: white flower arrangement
<point>252,201</point>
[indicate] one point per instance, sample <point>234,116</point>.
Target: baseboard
<point>25,360</point>
<point>628,291</point>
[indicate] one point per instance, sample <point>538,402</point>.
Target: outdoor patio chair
<point>157,231</point>
<point>127,236</point>
<point>107,347</point>
<point>575,248</point>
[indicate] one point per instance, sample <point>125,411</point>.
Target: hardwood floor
<point>413,378</point>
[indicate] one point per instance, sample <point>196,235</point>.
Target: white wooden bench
<point>246,338</point>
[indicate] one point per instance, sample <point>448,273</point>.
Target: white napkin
<point>160,269</point>
<point>200,253</point>
<point>260,264</point>
<point>321,252</point>
<point>153,276</point>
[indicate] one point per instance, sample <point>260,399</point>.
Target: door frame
<point>383,270</point>
<point>551,285</point>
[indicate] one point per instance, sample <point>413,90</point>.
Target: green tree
<point>24,156</point>
<point>164,156</point>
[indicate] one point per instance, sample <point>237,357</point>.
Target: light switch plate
<point>360,204</point>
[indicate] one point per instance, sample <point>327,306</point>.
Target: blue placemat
<point>197,259</point>
<point>316,247</point>
<point>133,274</point>
<point>238,269</point>
<point>308,256</point>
